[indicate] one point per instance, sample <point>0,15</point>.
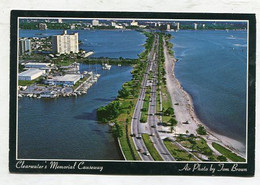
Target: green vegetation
<point>222,158</point>
<point>177,153</point>
<point>167,113</point>
<point>145,108</point>
<point>152,150</point>
<point>109,112</point>
<point>227,153</point>
<point>26,82</point>
<point>117,130</point>
<point>198,146</point>
<point>201,130</point>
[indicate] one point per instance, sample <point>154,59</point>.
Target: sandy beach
<point>184,111</point>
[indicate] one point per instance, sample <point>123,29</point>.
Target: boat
<point>119,65</point>
<point>106,67</point>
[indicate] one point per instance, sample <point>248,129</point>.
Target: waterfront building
<point>134,23</point>
<point>30,74</point>
<point>72,27</point>
<point>68,79</point>
<point>178,25</point>
<point>59,20</point>
<point>43,26</point>
<point>203,26</point>
<point>195,26</point>
<point>25,46</point>
<point>37,65</point>
<point>65,43</point>
<point>119,27</point>
<point>95,22</point>
<point>168,27</point>
<point>113,24</point>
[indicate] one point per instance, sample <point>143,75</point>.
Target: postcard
<point>132,93</point>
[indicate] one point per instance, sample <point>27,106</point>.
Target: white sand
<point>184,111</point>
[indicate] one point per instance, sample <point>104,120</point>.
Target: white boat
<point>106,67</point>
<point>119,65</point>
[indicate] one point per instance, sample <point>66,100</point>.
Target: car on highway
<point>146,153</point>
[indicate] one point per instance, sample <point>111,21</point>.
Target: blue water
<point>66,128</point>
<point>105,43</point>
<point>212,68</point>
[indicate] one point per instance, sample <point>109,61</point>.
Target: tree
<point>221,158</point>
<point>169,111</point>
<point>173,122</point>
<point>109,112</point>
<point>123,93</point>
<point>117,130</point>
<point>201,130</point>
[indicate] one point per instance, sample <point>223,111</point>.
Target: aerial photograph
<point>132,90</point>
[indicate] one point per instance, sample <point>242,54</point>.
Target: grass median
<point>152,150</point>
<point>177,153</point>
<point>227,153</point>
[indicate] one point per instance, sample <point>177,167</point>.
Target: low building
<point>134,23</point>
<point>69,79</point>
<point>30,74</point>
<point>95,22</point>
<point>59,20</point>
<point>37,65</point>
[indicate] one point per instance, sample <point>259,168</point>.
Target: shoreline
<point>185,111</point>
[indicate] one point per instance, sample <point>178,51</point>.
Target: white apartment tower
<point>195,26</point>
<point>65,43</point>
<point>178,25</point>
<point>168,27</point>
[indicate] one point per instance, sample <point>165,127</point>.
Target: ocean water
<point>212,68</point>
<point>66,128</point>
<point>104,43</point>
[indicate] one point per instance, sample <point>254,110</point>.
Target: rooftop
<point>68,77</point>
<point>30,72</point>
<point>37,63</point>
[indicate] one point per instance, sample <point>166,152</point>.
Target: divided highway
<point>152,119</point>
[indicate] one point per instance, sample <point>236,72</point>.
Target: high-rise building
<point>65,43</point>
<point>178,25</point>
<point>25,46</point>
<point>195,26</point>
<point>168,26</point>
<point>95,22</point>
<point>43,26</point>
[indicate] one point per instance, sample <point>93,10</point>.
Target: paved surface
<point>136,128</point>
<point>152,118</point>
